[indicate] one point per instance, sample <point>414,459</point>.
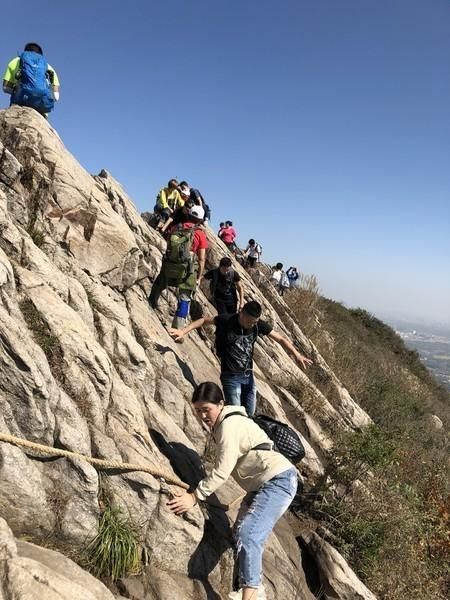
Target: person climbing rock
<point>31,81</point>
<point>280,279</point>
<point>180,215</point>
<point>177,214</point>
<point>197,198</point>
<point>183,264</point>
<point>167,202</point>
<point>226,286</point>
<point>228,236</point>
<point>292,275</point>
<point>275,277</point>
<point>252,254</point>
<point>244,452</point>
<point>235,339</point>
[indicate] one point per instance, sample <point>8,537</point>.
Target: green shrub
<point>115,551</point>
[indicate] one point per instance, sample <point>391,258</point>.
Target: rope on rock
<point>99,463</point>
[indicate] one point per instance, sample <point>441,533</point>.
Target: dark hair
<point>221,224</point>
<point>172,183</point>
<point>251,242</point>
<point>253,309</point>
<point>228,223</point>
<point>33,47</point>
<point>184,184</point>
<point>207,392</point>
<point>279,266</point>
<point>225,262</point>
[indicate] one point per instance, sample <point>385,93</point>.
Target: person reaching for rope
<point>244,452</point>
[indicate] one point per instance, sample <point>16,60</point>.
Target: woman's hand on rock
<point>182,502</point>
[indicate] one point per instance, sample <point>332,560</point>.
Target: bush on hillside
<point>386,495</point>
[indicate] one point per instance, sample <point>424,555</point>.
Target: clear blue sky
<point>320,127</point>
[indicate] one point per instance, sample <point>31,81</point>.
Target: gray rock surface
<point>30,572</point>
<point>86,365</point>
<point>336,577</point>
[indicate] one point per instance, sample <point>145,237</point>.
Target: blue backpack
<point>34,88</point>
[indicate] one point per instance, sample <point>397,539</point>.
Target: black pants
<point>226,307</point>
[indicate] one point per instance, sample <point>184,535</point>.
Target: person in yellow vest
<point>31,81</point>
<point>168,201</point>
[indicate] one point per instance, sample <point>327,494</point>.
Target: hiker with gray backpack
<point>183,264</point>
<point>226,287</point>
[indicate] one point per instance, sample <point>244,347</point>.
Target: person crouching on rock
<point>246,453</point>
<point>235,339</point>
<point>31,81</point>
<point>183,263</point>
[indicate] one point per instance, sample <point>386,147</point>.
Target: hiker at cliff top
<point>235,339</point>
<point>167,202</point>
<point>267,476</point>
<point>228,235</point>
<point>178,214</point>
<point>292,275</point>
<point>221,227</point>
<point>31,81</point>
<point>225,287</point>
<point>183,264</point>
<point>252,253</point>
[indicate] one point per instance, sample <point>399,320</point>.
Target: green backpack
<point>178,262</point>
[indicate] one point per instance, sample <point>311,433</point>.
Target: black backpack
<point>229,278</point>
<point>285,440</point>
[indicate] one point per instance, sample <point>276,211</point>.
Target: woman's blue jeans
<point>239,390</point>
<point>257,517</point>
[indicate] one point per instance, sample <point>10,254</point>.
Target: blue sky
<point>321,128</point>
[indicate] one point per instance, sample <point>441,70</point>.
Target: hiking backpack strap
<point>263,446</point>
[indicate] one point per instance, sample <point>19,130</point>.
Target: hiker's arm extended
<point>177,334</point>
<point>289,347</point>
<point>201,255</point>
<point>240,291</point>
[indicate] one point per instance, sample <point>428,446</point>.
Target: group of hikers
<point>252,253</point>
<point>244,450</point>
<point>174,203</point>
<point>284,280</point>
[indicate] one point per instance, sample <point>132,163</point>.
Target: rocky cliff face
<point>88,366</point>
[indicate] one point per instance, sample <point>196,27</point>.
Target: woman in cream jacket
<point>244,452</point>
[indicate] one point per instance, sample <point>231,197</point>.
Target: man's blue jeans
<point>257,517</point>
<point>239,390</point>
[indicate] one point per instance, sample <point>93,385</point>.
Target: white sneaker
<point>260,594</point>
